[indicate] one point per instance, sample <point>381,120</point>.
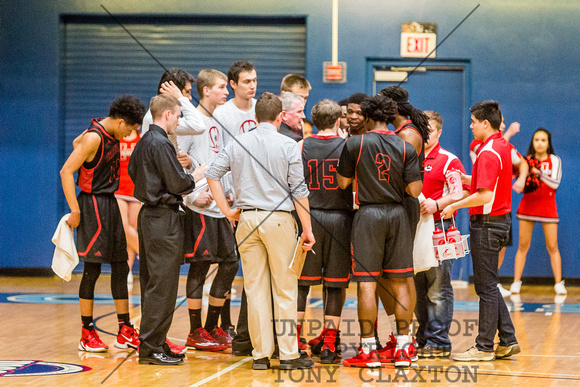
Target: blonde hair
<point>161,103</point>
<point>208,77</point>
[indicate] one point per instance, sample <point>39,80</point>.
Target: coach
<point>268,181</point>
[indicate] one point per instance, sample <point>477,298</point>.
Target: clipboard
<point>298,259</point>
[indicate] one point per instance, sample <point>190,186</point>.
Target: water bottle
<point>438,239</point>
<point>454,237</point>
<point>453,178</point>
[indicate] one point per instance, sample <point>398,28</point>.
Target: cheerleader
<point>539,205</point>
<point>128,205</point>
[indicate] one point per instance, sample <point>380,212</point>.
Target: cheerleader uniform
<point>126,186</point>
<point>540,205</point>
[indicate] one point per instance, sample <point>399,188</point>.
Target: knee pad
<point>196,279</point>
<point>224,278</point>
<point>91,274</point>
<point>119,272</point>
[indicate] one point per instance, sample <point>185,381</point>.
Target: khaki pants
<point>266,251</point>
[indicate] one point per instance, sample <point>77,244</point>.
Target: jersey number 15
<point>327,175</point>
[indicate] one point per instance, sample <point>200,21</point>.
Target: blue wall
<point>522,53</point>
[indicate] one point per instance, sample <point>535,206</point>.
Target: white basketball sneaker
<point>560,288</point>
<point>516,286</point>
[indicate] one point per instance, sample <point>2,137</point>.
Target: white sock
<point>368,344</point>
<point>403,341</point>
<point>393,322</point>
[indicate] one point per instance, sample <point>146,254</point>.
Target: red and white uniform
<point>437,163</point>
<point>493,171</point>
<point>126,186</point>
<point>476,145</point>
<point>540,205</point>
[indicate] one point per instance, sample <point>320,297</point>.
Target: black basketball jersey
<point>101,175</point>
<point>320,155</point>
<point>382,164</point>
<point>409,125</point>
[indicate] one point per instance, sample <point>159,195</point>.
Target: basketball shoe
<point>201,339</point>
<point>91,342</point>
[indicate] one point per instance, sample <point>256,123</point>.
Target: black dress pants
<point>160,257</point>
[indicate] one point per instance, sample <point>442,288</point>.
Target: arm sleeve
<point>296,181</point>
<point>412,170</point>
<point>552,180</point>
<point>347,163</point>
<point>221,165</point>
<point>174,178</point>
<point>192,121</point>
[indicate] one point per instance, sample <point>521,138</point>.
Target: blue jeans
<point>487,239</point>
<point>434,307</point>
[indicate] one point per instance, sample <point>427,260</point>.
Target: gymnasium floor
<point>40,326</point>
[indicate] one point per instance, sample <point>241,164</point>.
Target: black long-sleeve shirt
<point>158,176</point>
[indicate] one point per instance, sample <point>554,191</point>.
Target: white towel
<point>423,252</point>
<point>65,257</point>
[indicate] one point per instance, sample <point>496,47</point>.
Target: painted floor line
<point>224,371</point>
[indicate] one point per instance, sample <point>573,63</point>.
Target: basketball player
<point>385,167</point>
<point>178,83</point>
<point>238,115</point>
<point>331,213</point>
<point>355,119</point>
<point>100,234</point>
<point>297,84</point>
<point>412,125</point>
<point>211,231</point>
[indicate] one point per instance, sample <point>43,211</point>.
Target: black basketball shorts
<point>382,243</point>
<point>332,262</point>
<point>100,234</point>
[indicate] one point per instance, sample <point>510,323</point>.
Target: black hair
<point>404,108</point>
<point>379,108</point>
<point>550,150</point>
<point>237,68</point>
<point>357,98</point>
<point>129,108</point>
<point>488,110</point>
<point>343,102</point>
<point>178,76</point>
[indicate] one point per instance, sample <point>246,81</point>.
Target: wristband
<point>437,205</point>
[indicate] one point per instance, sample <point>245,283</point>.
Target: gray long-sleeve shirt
<point>266,168</point>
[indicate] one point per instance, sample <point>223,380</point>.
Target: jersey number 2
<point>383,163</point>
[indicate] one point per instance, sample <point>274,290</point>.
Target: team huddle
<point>238,181</point>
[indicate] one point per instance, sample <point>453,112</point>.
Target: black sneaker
<point>328,357</point>
<point>294,364</point>
<point>261,364</point>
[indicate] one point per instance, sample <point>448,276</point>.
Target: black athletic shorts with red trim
<point>332,262</point>
<point>208,239</point>
<point>100,234</point>
<point>382,243</point>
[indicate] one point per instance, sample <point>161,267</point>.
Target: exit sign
<point>418,40</point>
